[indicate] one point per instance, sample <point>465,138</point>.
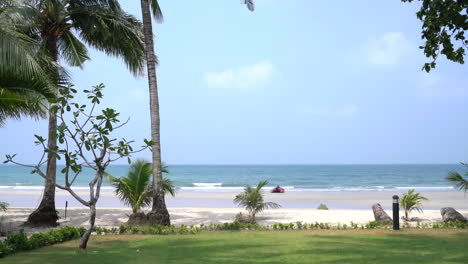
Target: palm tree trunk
<point>159,214</point>
<point>45,214</point>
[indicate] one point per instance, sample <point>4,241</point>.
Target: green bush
<point>40,240</point>
<point>18,241</point>
<point>373,224</point>
<point>322,207</point>
<point>5,249</point>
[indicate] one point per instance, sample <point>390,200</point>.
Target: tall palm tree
<point>159,214</point>
<point>252,200</point>
<point>61,27</point>
<point>24,83</point>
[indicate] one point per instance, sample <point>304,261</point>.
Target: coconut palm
<point>61,27</point>
<point>135,189</point>
<point>24,83</point>
<point>411,201</point>
<point>459,182</point>
<point>252,200</point>
<point>159,214</point>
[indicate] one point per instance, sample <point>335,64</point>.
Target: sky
<point>295,82</point>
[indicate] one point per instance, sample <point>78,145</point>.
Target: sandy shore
<point>114,217</point>
<point>288,200</point>
<point>193,208</point>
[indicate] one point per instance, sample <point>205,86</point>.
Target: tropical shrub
<point>322,207</point>
<point>20,242</point>
<point>135,189</point>
<point>252,200</point>
<point>411,201</point>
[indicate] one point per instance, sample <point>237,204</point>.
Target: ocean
<point>320,178</point>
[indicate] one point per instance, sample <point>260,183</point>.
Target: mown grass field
<point>293,246</point>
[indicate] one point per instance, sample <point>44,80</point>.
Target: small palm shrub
<point>411,201</point>
<point>252,200</point>
<point>322,207</point>
<point>135,189</point>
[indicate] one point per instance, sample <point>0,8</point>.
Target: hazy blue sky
<point>298,81</point>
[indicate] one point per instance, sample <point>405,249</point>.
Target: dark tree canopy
<point>444,25</point>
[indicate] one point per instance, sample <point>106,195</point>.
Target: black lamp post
<point>396,213</point>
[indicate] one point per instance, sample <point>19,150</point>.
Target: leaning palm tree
<point>252,200</point>
<point>60,27</point>
<point>411,201</point>
<point>135,189</point>
<point>459,182</point>
<point>24,83</point>
<point>159,214</point>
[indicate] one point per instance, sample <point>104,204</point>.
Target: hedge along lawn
<point>289,246</point>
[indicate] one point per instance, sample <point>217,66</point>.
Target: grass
<point>293,246</point>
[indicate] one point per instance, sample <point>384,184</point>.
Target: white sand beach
<point>193,208</point>
<point>114,217</point>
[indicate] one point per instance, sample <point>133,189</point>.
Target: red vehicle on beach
<point>277,189</point>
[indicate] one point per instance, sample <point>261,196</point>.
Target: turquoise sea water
<point>292,177</point>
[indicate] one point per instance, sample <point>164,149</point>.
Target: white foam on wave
<point>426,187</point>
<point>207,184</point>
<point>217,187</point>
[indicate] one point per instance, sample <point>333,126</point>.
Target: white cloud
<point>389,49</point>
<point>329,111</point>
<point>248,76</point>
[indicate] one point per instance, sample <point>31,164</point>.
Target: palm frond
<point>250,4</point>
<point>459,182</point>
<point>73,51</point>
<point>157,13</point>
<point>114,32</point>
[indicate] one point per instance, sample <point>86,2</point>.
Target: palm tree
<point>135,189</point>
<point>252,200</point>
<point>159,214</point>
<point>3,206</point>
<point>24,83</point>
<point>459,182</point>
<point>411,201</point>
<point>60,27</point>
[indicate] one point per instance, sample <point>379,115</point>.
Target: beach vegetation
<point>3,206</point>
<point>136,188</point>
<point>252,200</point>
<point>19,241</point>
<point>458,180</point>
<point>25,84</point>
<point>322,207</point>
<point>85,140</point>
<point>444,24</point>
<point>411,201</point>
<point>61,29</point>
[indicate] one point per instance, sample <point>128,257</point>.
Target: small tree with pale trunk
<point>84,141</point>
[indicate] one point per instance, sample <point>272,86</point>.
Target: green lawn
<point>305,246</point>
